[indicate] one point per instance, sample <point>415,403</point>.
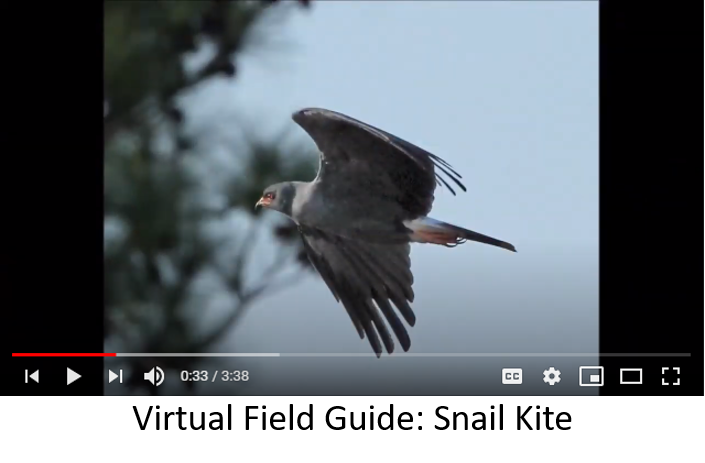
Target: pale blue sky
<point>506,92</point>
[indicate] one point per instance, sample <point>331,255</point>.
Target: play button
<point>71,376</point>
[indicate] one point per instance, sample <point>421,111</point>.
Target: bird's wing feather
<point>360,274</point>
<point>385,167</point>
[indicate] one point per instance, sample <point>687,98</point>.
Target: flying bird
<point>357,218</point>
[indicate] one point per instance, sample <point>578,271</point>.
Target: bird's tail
<point>428,230</point>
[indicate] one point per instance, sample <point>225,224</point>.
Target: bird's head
<point>278,197</point>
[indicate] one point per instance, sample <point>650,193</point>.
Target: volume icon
<point>155,376</point>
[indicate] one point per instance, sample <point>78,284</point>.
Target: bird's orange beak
<point>263,202</point>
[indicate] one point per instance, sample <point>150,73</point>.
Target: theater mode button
<point>630,376</point>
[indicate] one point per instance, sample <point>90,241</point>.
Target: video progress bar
<point>406,354</point>
<point>395,355</point>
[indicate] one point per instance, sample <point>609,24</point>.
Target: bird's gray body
<point>357,217</point>
<point>350,216</point>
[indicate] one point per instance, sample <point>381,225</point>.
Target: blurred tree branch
<point>157,207</point>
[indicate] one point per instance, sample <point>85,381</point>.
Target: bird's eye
<point>269,196</point>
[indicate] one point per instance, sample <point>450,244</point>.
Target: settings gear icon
<point>551,376</point>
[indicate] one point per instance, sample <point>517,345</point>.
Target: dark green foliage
<point>155,245</point>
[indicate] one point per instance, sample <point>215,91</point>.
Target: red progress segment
<point>66,355</point>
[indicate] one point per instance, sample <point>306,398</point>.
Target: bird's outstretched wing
<point>359,157</point>
<point>360,273</point>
